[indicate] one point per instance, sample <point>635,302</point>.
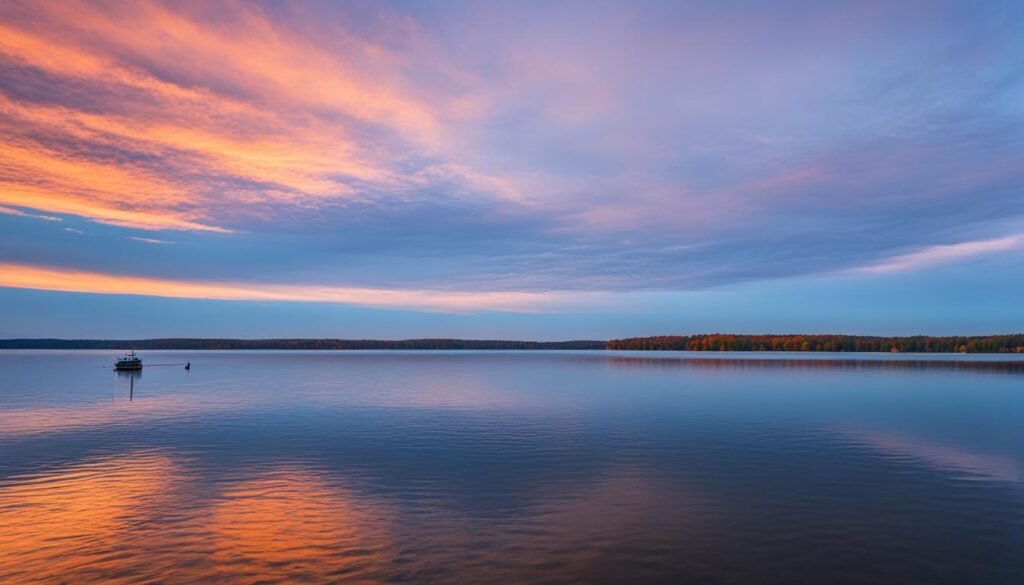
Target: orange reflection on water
<point>287,525</point>
<point>76,524</point>
<point>141,517</point>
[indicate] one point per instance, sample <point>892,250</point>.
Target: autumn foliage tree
<point>823,343</point>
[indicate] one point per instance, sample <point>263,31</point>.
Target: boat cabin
<point>128,361</point>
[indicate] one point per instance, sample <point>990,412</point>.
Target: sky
<point>529,170</point>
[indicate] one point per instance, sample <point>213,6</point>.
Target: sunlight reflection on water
<point>510,467</point>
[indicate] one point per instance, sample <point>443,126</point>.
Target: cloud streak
<point>20,213</point>
<point>58,279</point>
<point>945,253</point>
<point>150,240</point>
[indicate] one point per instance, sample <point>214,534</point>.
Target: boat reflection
<point>128,374</point>
<point>131,375</point>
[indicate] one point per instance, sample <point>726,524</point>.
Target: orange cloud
<point>40,178</point>
<point>271,64</point>
<point>59,279</point>
<point>205,121</point>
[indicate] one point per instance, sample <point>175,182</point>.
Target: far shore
<point>717,342</point>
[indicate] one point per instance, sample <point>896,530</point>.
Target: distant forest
<point>831,343</point>
<point>188,343</point>
<point>716,342</point>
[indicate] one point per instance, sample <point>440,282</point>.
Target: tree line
<point>707,342</point>
<point>828,343</point>
<point>200,344</point>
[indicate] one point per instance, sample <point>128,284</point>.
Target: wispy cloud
<point>942,254</point>
<point>59,279</point>
<point>20,213</point>
<point>150,240</point>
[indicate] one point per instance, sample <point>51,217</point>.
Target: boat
<point>128,362</point>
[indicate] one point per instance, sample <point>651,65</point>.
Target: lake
<point>511,467</point>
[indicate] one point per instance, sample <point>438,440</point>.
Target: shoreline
<point>1010,344</point>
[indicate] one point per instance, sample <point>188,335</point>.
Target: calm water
<point>511,467</point>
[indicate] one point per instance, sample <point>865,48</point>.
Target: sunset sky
<point>541,170</point>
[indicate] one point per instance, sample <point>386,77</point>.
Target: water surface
<point>500,467</point>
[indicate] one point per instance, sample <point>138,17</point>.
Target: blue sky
<point>510,170</point>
